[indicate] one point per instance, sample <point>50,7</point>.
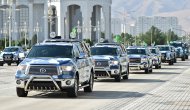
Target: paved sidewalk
<point>173,95</point>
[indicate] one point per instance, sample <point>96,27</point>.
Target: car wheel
<point>118,77</point>
<point>21,92</point>
<point>151,70</point>
<point>160,66</point>
<point>183,58</point>
<point>9,64</point>
<point>175,60</point>
<point>1,64</point>
<point>157,66</point>
<point>171,62</point>
<point>126,77</point>
<point>186,56</point>
<point>91,84</point>
<point>146,70</point>
<point>73,92</point>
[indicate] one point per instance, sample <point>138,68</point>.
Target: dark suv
<point>55,67</point>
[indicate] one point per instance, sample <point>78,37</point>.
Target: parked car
<point>156,57</point>
<point>110,62</point>
<point>140,59</point>
<point>55,67</point>
<point>9,55</point>
<point>166,52</point>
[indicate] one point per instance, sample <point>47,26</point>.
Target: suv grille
<point>101,64</point>
<point>135,60</point>
<point>8,56</point>
<point>43,70</point>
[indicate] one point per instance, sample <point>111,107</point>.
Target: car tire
<point>91,84</point>
<point>160,66</point>
<point>21,92</point>
<point>151,70</point>
<point>146,70</point>
<point>126,77</point>
<point>186,57</point>
<point>171,62</point>
<point>118,77</point>
<point>9,64</point>
<point>1,64</point>
<point>73,92</point>
<point>175,60</point>
<point>183,58</point>
<point>157,66</point>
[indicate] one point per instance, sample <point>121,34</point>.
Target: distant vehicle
<point>156,57</point>
<point>9,55</point>
<point>140,59</point>
<point>167,54</point>
<point>110,62</point>
<point>180,49</point>
<point>174,53</point>
<point>55,66</point>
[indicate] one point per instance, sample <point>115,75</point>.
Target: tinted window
<point>153,51</point>
<point>103,51</point>
<point>10,49</point>
<point>51,51</point>
<point>136,51</point>
<point>164,48</point>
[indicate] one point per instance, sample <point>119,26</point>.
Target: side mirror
<point>81,56</point>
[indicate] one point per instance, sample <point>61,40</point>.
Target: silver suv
<point>54,67</point>
<point>167,54</point>
<point>110,62</point>
<point>140,59</point>
<point>9,55</point>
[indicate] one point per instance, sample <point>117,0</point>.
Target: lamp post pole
<point>37,30</point>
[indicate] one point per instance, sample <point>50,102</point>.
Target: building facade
<point>144,23</point>
<point>20,18</point>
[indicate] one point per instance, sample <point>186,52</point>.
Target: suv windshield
<point>54,51</point>
<point>164,48</point>
<point>153,51</point>
<point>136,51</point>
<point>103,51</point>
<point>10,49</point>
<point>176,44</point>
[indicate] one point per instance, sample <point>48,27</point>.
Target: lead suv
<point>55,67</point>
<point>110,62</point>
<point>140,58</point>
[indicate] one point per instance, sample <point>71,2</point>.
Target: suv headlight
<point>114,62</point>
<point>22,67</point>
<point>144,60</point>
<point>67,68</point>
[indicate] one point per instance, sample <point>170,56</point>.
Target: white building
<point>144,23</point>
<point>59,16</point>
<point>116,25</point>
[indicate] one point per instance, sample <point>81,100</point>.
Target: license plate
<point>134,68</point>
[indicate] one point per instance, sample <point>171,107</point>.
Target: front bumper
<point>155,62</point>
<point>43,82</point>
<point>138,66</point>
<point>103,72</point>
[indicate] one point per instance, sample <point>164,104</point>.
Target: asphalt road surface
<point>107,94</point>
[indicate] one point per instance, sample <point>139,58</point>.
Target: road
<point>107,94</point>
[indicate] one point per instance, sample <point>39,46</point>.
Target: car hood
<point>8,53</point>
<point>104,57</point>
<point>137,56</point>
<point>46,61</point>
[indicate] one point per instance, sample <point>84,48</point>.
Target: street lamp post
<point>4,31</point>
<point>37,30</point>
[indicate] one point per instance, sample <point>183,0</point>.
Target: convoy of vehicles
<point>70,65</point>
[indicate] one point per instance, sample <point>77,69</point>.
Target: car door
<point>123,59</point>
<point>80,63</point>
